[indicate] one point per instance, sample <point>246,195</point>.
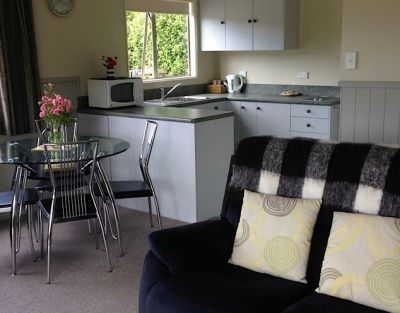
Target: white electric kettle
<point>234,83</point>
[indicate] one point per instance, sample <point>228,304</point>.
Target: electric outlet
<point>242,73</point>
<point>303,75</point>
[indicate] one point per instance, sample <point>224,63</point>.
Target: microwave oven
<point>113,93</point>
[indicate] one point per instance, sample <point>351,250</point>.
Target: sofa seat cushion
<point>229,288</point>
<point>320,303</point>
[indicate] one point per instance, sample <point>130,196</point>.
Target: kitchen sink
<point>175,100</point>
<point>316,99</point>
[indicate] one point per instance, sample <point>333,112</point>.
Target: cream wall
<point>319,53</point>
<point>73,45</point>
<point>372,28</point>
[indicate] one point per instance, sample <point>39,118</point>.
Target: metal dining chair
<point>140,188</point>
<point>72,189</point>
<point>24,199</point>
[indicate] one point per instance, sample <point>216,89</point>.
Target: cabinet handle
<point>249,21</point>
<point>243,107</point>
<point>308,111</point>
<point>215,108</point>
<point>258,108</point>
<point>308,125</point>
<point>222,22</point>
<point>255,20</point>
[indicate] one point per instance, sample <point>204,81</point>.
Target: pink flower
<point>42,114</point>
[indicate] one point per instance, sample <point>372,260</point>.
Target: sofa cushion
<point>362,260</point>
<point>229,288</point>
<point>320,303</point>
<point>274,235</point>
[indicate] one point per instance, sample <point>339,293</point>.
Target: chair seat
<point>58,217</point>
<point>230,289</point>
<point>128,189</point>
<point>30,198</point>
<point>320,303</point>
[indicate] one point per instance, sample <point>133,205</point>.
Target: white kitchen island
<point>190,159</point>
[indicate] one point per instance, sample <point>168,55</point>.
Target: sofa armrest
<point>198,245</point>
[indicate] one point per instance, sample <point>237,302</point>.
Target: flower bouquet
<point>56,111</point>
<point>110,64</point>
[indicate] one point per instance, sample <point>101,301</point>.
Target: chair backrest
<point>146,148</point>
<point>70,130</point>
<point>67,164</point>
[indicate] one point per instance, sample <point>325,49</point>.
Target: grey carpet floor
<point>80,279</point>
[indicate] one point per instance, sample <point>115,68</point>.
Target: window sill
<point>171,79</point>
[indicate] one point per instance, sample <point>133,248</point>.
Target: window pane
<point>172,45</point>
<point>135,26</point>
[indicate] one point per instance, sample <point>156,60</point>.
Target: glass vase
<point>57,133</point>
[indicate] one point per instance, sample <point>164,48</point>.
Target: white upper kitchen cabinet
<point>276,24</point>
<point>239,25</point>
<point>249,25</point>
<point>212,17</point>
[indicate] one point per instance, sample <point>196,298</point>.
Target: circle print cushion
<point>278,206</point>
<point>383,281</point>
<point>243,233</point>
<point>281,254</point>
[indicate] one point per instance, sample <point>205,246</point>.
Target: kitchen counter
<point>271,98</point>
<point>174,114</point>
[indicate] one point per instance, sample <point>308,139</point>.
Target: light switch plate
<point>350,61</point>
<point>303,75</point>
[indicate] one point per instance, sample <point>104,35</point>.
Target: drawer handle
<point>222,22</point>
<point>243,107</point>
<point>308,111</point>
<point>308,125</point>
<point>255,20</point>
<point>258,108</point>
<point>249,21</point>
<point>215,108</point>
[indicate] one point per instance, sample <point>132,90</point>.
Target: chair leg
<point>95,232</point>
<point>90,227</point>
<point>35,224</point>
<point>117,226</point>
<point>41,239</point>
<point>150,212</point>
<point>105,242</point>
<point>29,225</point>
<point>49,235</point>
<point>157,210</point>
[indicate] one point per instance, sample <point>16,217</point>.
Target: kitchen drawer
<point>310,135</point>
<point>309,111</point>
<point>309,125</point>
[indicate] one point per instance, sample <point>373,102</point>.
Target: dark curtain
<point>19,75</point>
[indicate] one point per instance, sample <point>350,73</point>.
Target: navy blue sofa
<point>187,269</point>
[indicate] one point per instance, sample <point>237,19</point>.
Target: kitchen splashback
<point>326,91</point>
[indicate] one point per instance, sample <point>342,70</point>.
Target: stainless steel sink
<point>175,100</point>
<point>316,99</point>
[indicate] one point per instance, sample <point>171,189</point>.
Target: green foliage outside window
<point>172,44</point>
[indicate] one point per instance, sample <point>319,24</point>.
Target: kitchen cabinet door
<point>273,119</point>
<point>239,25</point>
<point>276,24</point>
<point>245,119</point>
<point>212,24</point>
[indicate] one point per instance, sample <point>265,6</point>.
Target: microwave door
<point>123,94</point>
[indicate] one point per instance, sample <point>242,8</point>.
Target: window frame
<point>192,47</point>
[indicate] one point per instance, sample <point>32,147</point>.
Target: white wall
<point>73,45</point>
<point>371,27</point>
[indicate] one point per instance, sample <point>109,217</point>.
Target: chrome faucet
<point>162,90</point>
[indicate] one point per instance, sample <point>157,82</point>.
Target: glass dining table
<point>27,156</point>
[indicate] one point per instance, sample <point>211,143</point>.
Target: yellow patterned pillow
<point>362,261</point>
<point>274,235</point>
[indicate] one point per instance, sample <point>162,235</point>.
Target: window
<point>159,44</point>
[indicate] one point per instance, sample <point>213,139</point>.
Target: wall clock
<point>61,7</point>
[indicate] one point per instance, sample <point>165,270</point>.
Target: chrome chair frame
<point>69,198</point>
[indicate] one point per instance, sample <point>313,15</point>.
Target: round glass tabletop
<point>25,152</point>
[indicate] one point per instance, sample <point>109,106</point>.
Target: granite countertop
<point>174,114</point>
<point>180,112</point>
<point>273,98</point>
